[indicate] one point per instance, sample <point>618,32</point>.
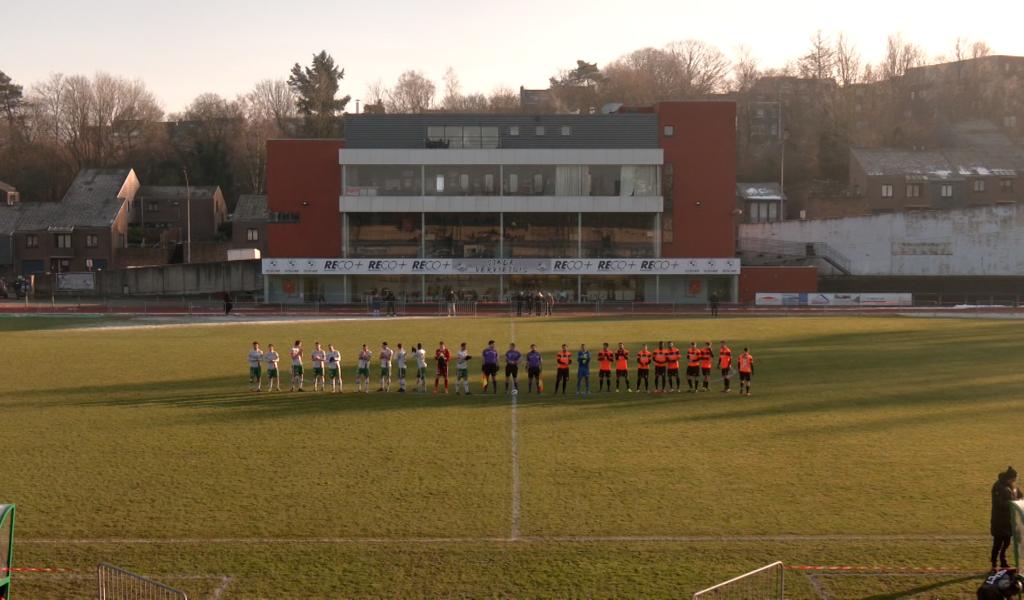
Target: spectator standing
<point>713,304</point>
<point>1004,491</point>
<point>451,302</point>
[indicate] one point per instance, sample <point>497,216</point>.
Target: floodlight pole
<point>188,219</point>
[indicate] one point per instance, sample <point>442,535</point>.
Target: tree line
<point>67,122</point>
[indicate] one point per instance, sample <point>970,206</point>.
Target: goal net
<point>115,583</point>
<point>766,583</point>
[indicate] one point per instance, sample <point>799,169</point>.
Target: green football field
<point>868,443</point>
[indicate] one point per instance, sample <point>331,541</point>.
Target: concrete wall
<point>776,279</point>
<point>173,280</point>
<point>985,241</point>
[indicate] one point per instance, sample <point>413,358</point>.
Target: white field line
<point>516,503</point>
<point>193,322</point>
<point>225,581</point>
<point>778,538</point>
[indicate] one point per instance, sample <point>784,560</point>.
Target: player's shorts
<point>401,372</point>
<point>642,373</point>
<point>255,372</point>
<point>511,370</point>
<point>333,374</point>
<point>692,371</point>
<point>562,373</point>
<point>705,370</point>
<point>462,374</point>
<point>272,373</point>
<point>725,372</point>
<point>621,373</point>
<point>363,371</point>
<point>533,372</point>
<point>296,370</point>
<point>603,373</point>
<point>582,374</point>
<point>659,370</point>
<point>490,369</point>
<point>442,370</point>
<point>421,372</point>
<point>745,376</point>
<point>318,371</point>
<point>385,371</point>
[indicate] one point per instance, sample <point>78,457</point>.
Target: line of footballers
<point>665,361</point>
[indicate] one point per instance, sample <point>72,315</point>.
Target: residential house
<point>164,211</point>
<point>249,223</point>
<point>760,202</point>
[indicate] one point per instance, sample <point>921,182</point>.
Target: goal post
<point>1017,513</point>
<point>766,583</point>
<point>6,549</point>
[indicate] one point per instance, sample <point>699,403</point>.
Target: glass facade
<point>541,235</point>
<point>619,235</point>
<point>383,235</point>
<point>383,180</point>
<point>462,235</point>
<point>462,180</point>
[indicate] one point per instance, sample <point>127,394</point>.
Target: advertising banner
<point>819,299</point>
<point>501,266</point>
<point>76,282</point>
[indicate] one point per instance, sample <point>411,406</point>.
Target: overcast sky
<point>182,48</point>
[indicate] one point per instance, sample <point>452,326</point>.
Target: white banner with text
<point>501,266</point>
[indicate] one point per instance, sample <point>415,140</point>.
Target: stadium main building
<point>633,205</point>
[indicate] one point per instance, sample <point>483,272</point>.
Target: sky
<point>182,48</point>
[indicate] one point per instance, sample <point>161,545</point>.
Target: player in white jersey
<point>421,368</point>
<point>462,369</point>
<point>334,368</point>
<point>363,370</point>
<point>255,370</point>
<point>297,375</point>
<point>318,356</point>
<point>271,357</point>
<point>400,360</point>
<point>386,354</point>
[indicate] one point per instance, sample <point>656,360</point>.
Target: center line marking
<point>515,472</point>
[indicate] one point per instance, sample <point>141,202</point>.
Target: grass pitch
<point>869,442</point>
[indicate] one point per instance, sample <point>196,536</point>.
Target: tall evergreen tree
<point>316,88</point>
<point>10,98</point>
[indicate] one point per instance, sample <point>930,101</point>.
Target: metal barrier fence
<point>115,583</point>
<point>766,583</point>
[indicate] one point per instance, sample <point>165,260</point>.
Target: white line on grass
<point>515,472</point>
<point>910,537</point>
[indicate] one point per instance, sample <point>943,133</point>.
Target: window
<point>566,130</point>
<point>31,241</point>
<point>489,137</point>
<point>92,241</point>
<point>153,206</point>
<point>62,240</point>
<point>284,217</point>
<point>540,130</point>
<point>464,182</point>
<point>946,191</point>
<point>913,190</point>
<point>670,130</point>
<point>513,183</point>
<point>453,136</point>
<point>471,136</point>
<point>513,130</point>
<point>887,190</point>
<point>538,181</point>
<point>439,183</point>
<point>979,185</point>
<point>252,234</point>
<point>1006,186</point>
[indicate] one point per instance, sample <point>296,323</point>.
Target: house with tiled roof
<point>249,222</point>
<point>85,230</point>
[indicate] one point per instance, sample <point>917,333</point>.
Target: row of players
<point>665,359</point>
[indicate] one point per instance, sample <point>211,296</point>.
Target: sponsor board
<point>818,299</point>
<point>76,282</point>
<point>501,266</point>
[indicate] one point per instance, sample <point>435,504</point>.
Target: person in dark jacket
<point>1004,490</point>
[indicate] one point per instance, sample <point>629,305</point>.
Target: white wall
<point>976,241</point>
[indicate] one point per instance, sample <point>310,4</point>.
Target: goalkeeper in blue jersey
<point>583,370</point>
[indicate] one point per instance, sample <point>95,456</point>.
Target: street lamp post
<point>188,219</point>
<point>782,177</point>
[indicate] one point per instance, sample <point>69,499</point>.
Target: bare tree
<point>900,56</point>
<point>503,100</point>
<point>744,69</point>
<point>847,61</point>
<point>820,60</point>
<point>703,68</point>
<point>270,100</point>
<point>412,93</point>
<point>686,69</point>
<point>376,92</point>
<point>980,49</point>
<point>452,91</point>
